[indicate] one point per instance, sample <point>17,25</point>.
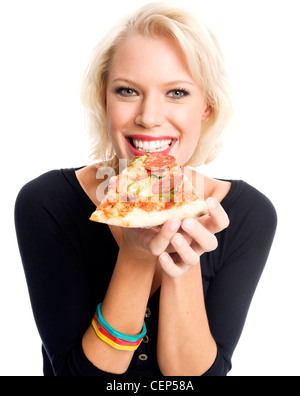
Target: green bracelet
<point>116,333</point>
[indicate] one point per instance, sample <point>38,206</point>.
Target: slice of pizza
<point>151,190</point>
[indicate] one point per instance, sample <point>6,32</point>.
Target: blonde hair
<point>205,61</point>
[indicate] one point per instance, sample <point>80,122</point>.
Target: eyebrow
<point>169,83</point>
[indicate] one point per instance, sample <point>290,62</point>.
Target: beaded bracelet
<point>114,338</point>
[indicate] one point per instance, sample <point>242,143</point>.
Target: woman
<point>160,74</point>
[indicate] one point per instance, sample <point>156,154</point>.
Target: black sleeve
<point>58,283</point>
<point>245,246</point>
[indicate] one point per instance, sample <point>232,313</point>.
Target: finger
<point>203,239</point>
<point>188,255</point>
<point>169,266</point>
<point>187,237</point>
<point>160,242</point>
<point>217,220</point>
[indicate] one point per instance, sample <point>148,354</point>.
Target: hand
<point>143,243</point>
<point>201,238</point>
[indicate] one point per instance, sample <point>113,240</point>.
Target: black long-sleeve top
<point>68,262</point>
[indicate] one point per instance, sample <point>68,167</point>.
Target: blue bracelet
<point>116,333</point>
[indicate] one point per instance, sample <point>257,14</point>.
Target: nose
<point>150,113</point>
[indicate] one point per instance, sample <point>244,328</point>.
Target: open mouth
<point>140,145</point>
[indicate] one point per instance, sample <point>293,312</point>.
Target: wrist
<point>134,254</point>
<point>135,262</point>
<point>184,281</point>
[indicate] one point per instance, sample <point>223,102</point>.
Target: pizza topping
<point>156,184</point>
<point>135,161</point>
<point>159,161</point>
<point>154,206</point>
<point>167,197</point>
<point>166,184</point>
<point>125,208</point>
<point>151,183</point>
<point>136,173</point>
<point>135,187</point>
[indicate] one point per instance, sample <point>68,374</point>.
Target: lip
<point>149,138</point>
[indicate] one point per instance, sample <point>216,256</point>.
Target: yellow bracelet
<point>110,342</point>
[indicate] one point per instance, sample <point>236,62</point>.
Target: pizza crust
<point>138,218</point>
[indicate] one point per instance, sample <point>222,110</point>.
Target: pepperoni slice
<point>166,184</point>
<point>159,161</point>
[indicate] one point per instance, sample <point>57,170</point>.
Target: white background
<point>44,50</point>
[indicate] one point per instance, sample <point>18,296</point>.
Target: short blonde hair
<point>205,61</point>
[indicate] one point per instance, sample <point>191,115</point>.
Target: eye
<point>177,94</point>
<point>126,92</point>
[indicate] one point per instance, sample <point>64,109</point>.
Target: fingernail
<point>177,240</point>
<point>164,257</point>
<point>211,203</point>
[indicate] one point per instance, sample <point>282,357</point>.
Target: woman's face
<point>153,103</point>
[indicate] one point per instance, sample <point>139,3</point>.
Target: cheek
<point>195,117</point>
<point>112,120</point>
<point>118,117</point>
<point>119,120</point>
<point>189,122</point>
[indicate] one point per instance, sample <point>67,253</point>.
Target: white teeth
<point>152,146</point>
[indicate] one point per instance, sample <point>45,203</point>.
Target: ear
<point>207,112</point>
